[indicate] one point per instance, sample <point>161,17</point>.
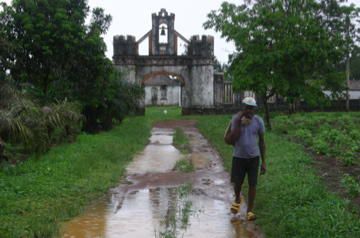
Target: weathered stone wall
<point>197,74</point>
<point>218,88</point>
<point>128,72</point>
<point>202,86</point>
<point>125,45</point>
<point>201,47</point>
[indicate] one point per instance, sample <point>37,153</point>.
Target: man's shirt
<point>247,146</point>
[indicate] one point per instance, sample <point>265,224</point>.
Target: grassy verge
<point>36,195</point>
<point>290,195</point>
<point>181,142</point>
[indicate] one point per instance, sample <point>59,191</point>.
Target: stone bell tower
<point>163,39</point>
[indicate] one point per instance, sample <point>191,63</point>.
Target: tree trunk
<point>267,113</point>
<point>2,148</point>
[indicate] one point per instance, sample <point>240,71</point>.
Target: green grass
<point>184,165</point>
<point>351,185</point>
<point>213,128</point>
<point>181,142</point>
<point>163,113</point>
<point>290,195</point>
<point>332,134</point>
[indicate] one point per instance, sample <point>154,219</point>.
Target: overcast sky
<point>133,17</point>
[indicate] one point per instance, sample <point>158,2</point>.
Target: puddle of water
<point>92,223</point>
<point>159,156</point>
<point>148,213</point>
<point>161,136</point>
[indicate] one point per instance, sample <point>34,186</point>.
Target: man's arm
<point>235,131</point>
<point>262,152</point>
<point>235,134</point>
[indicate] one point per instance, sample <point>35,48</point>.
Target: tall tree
<point>285,47</point>
<point>45,35</point>
<point>54,50</point>
<point>60,56</point>
<point>5,45</point>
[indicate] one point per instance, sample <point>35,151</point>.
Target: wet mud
<point>155,201</point>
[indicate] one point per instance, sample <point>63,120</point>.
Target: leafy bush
<point>320,146</point>
<point>27,127</point>
<point>351,185</point>
<point>283,124</point>
<point>305,135</point>
<point>120,99</point>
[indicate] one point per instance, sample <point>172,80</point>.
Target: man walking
<point>247,137</point>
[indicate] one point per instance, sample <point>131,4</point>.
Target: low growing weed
<point>184,165</point>
<point>351,185</point>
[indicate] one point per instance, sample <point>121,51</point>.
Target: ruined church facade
<point>168,78</point>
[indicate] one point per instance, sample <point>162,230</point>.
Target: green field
<point>331,134</point>
<point>37,195</point>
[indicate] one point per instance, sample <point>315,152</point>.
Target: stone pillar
<point>201,88</point>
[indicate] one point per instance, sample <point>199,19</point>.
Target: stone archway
<point>195,69</point>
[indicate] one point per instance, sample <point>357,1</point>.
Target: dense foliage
<point>48,48</point>
<point>27,128</point>
<point>288,48</point>
<point>52,68</point>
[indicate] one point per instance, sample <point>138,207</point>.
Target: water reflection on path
<point>150,202</point>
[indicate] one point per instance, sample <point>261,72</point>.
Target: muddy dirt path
<point>156,201</point>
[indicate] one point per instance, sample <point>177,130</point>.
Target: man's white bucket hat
<point>250,101</point>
